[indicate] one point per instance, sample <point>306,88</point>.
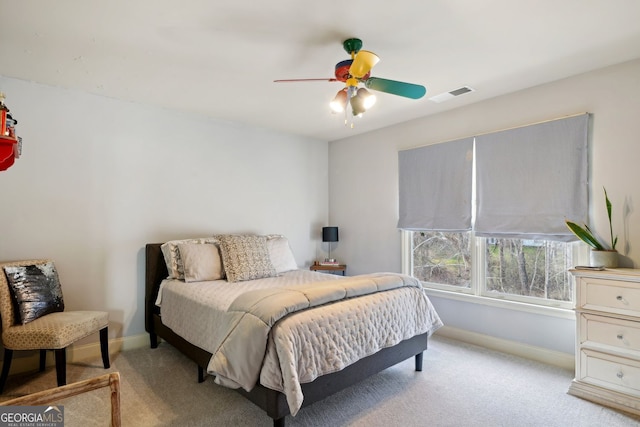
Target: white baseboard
<point>79,353</point>
<point>92,351</point>
<point>544,355</point>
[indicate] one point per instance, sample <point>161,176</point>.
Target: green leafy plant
<point>585,234</point>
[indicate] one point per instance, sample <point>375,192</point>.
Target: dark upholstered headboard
<point>155,273</point>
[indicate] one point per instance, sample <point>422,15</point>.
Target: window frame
<point>477,292</point>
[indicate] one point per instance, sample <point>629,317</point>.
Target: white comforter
<point>302,345</point>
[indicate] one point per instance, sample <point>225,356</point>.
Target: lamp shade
<point>339,103</point>
<point>363,63</point>
<point>329,234</point>
<point>357,105</point>
<point>368,97</point>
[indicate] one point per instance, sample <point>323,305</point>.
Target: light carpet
<point>460,385</point>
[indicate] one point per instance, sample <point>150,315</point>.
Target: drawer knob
<point>620,336</point>
<point>622,300</point>
<point>620,375</point>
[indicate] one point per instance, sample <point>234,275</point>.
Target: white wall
<point>99,178</point>
<point>363,184</point>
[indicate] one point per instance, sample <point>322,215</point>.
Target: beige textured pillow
<point>200,262</point>
<point>172,255</point>
<point>245,257</point>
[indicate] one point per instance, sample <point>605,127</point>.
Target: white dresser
<point>608,338</point>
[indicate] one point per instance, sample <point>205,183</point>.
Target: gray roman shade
<point>530,179</point>
<point>435,184</point>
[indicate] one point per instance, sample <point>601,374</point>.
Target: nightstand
<point>331,269</point>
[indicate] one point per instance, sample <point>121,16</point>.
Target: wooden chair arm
<point>52,395</point>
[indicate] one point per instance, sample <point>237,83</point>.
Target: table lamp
<point>329,234</point>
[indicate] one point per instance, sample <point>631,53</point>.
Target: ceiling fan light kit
<point>368,97</point>
<point>357,70</point>
<point>363,62</point>
<point>339,103</point>
<point>362,101</point>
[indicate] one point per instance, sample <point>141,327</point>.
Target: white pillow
<point>172,255</point>
<point>200,262</point>
<point>280,253</point>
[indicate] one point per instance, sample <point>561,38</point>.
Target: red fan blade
<point>306,80</point>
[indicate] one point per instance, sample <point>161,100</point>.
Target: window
<point>442,258</point>
<point>529,271</point>
<point>528,268</point>
<point>484,215</point>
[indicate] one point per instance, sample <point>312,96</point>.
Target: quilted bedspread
<point>310,348</point>
<point>271,335</point>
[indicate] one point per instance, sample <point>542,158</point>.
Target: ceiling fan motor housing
<point>352,46</point>
<point>342,71</point>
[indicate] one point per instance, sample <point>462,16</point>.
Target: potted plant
<point>601,255</point>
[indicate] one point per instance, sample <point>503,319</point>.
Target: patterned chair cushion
<point>52,331</point>
<point>55,330</point>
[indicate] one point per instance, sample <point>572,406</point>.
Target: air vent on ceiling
<point>451,94</point>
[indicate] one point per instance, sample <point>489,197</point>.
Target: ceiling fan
<point>358,70</point>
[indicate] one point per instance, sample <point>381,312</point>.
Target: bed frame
<point>271,401</point>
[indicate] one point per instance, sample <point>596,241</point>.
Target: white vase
<point>607,259</point>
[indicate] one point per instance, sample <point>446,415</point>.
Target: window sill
<point>563,313</point>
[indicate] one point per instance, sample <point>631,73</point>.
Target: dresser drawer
<point>610,334</point>
<point>611,372</point>
<point>616,297</point>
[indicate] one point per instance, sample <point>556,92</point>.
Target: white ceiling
<point>220,57</point>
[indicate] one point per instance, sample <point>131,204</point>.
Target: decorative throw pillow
<point>280,254</point>
<point>200,262</point>
<point>245,257</point>
<point>36,290</point>
<point>172,255</point>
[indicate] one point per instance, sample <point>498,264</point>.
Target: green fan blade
<point>408,90</point>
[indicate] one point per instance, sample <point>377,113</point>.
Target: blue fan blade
<point>408,90</point>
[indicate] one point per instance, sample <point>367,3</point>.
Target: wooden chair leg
<point>6,366</point>
<point>61,366</point>
<point>104,346</point>
<point>43,360</point>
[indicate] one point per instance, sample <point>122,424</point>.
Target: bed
<point>296,387</point>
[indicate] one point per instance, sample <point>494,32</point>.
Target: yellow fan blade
<point>363,63</point>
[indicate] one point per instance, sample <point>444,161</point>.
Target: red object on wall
<point>7,163</point>
<point>3,122</point>
<point>7,152</point>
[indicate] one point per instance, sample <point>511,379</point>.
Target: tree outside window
<point>525,270</point>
